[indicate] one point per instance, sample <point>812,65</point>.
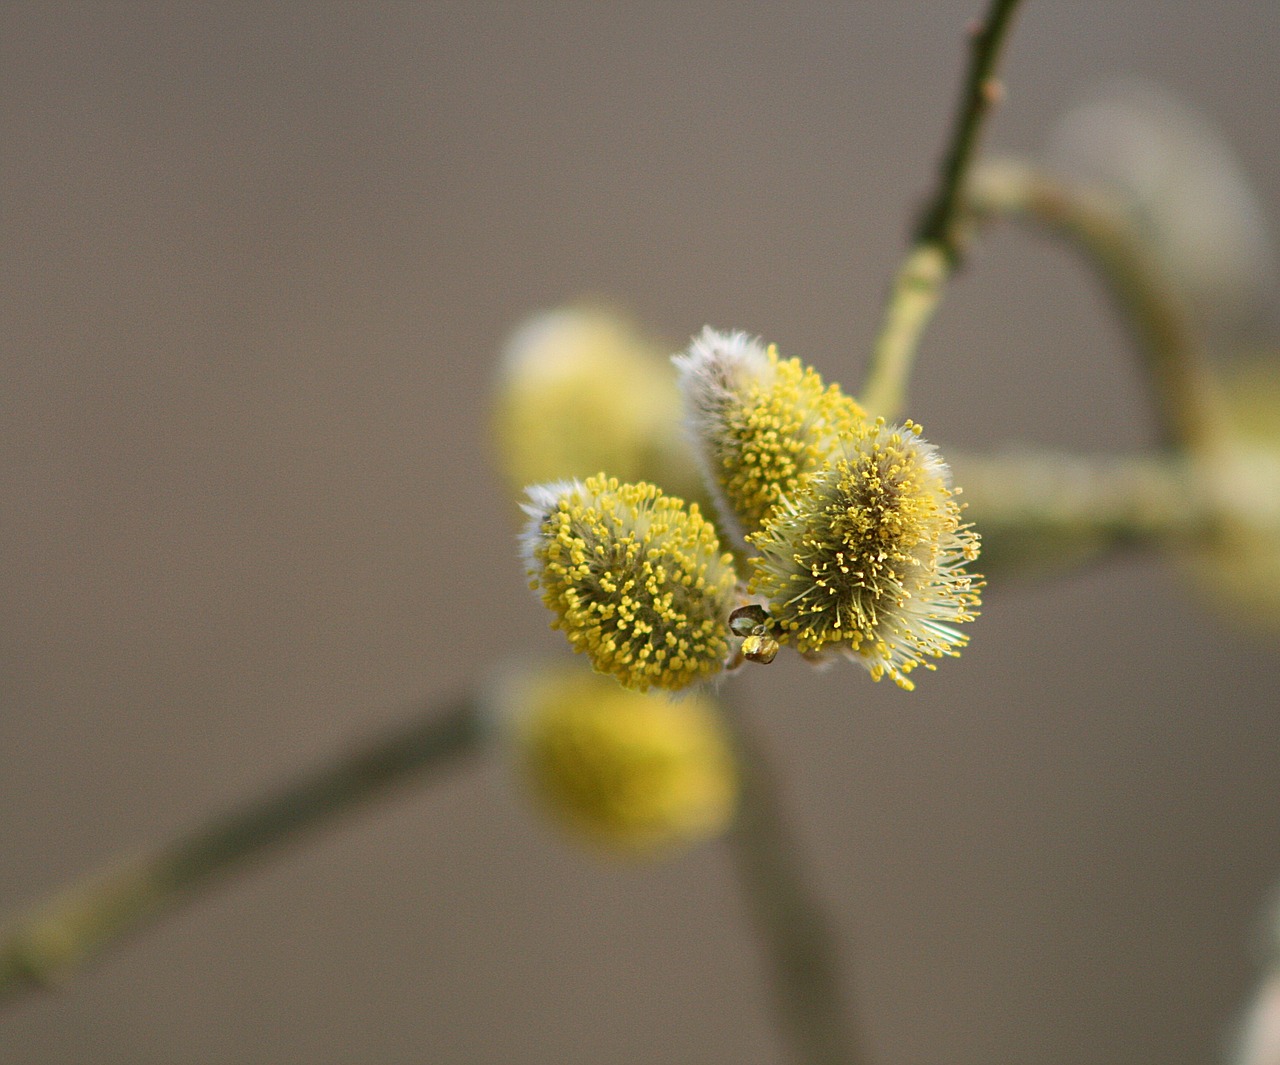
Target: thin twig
<point>803,955</point>
<point>937,247</point>
<point>45,946</point>
<point>1187,400</point>
<point>1042,512</point>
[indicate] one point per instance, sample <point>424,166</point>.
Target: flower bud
<point>1238,564</point>
<point>1187,190</point>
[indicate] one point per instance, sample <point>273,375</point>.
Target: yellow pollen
<point>656,575</point>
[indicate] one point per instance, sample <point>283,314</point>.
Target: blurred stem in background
<point>50,943</point>
<point>795,933</point>
<point>1043,513</point>
<point>1186,396</point>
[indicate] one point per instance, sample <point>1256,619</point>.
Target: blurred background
<point>259,261</point>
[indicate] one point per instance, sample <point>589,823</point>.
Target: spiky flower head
<point>759,422</point>
<point>865,557</point>
<point>636,579</point>
<point>637,773</point>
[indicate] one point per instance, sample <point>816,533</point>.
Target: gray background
<point>258,261</point>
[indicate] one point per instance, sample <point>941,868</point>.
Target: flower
<point>632,772</point>
<point>866,556</point>
<point>581,390</point>
<point>759,423</point>
<point>636,579</point>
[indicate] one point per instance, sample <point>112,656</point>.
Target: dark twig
<point>918,287</point>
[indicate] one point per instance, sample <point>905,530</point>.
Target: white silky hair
<point>543,500</point>
<point>713,375</point>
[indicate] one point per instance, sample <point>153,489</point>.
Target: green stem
<point>938,243</point>
<point>1044,511</point>
<point>917,290</point>
<point>1186,395</point>
<point>798,941</point>
<point>46,945</point>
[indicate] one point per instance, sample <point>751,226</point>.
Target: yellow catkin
<point>1238,566</point>
<point>580,390</point>
<point>630,772</point>
<point>760,422</point>
<point>866,557</point>
<point>783,430</point>
<point>636,579</point>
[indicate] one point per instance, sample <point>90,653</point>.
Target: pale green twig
<point>936,250</point>
<point>1187,400</point>
<point>804,959</point>
<point>48,944</point>
<point>916,293</point>
<point>1042,511</point>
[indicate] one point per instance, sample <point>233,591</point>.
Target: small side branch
<point>1187,402</point>
<point>45,946</point>
<point>1042,512</point>
<point>937,247</point>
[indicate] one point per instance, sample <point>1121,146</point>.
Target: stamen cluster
<point>637,580</point>
<point>759,422</point>
<point>631,772</point>
<point>866,557</point>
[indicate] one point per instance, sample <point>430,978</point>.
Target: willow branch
<point>46,945</point>
<point>1216,512</point>
<point>938,244</point>
<point>1040,511</point>
<point>1186,398</point>
<point>798,941</point>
